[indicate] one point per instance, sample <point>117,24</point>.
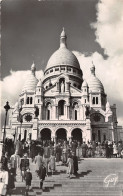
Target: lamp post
<point>20,118</point>
<point>6,107</point>
<point>21,121</point>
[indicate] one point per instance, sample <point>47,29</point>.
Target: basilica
<point>63,105</point>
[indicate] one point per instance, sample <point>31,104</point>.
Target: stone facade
<point>63,105</point>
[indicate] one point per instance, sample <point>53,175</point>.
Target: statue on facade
<point>62,87</point>
<point>87,112</point>
<point>36,111</point>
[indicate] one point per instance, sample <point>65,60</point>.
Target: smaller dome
<point>84,84</point>
<point>94,83</point>
<point>31,82</point>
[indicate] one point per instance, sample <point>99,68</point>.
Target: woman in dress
<point>70,166</point>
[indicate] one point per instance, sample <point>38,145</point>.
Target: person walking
<point>38,161</point>
<point>115,150</point>
<point>73,147</point>
<point>46,157</point>
<point>42,174</point>
<point>24,165</point>
<point>15,161</point>
<point>4,160</point>
<point>70,170</point>
<point>84,149</point>
<point>11,179</point>
<point>75,163</point>
<point>119,149</point>
<point>28,179</point>
<point>52,163</point>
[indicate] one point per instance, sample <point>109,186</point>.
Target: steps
<point>90,180</point>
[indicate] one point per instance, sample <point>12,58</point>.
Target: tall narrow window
<point>104,137</point>
<point>96,100</point>
<point>61,107</point>
<point>93,136</point>
<point>30,100</point>
<point>27,101</point>
<point>93,101</point>
<point>99,136</point>
<point>75,114</point>
<point>85,100</point>
<point>38,100</point>
<point>48,114</point>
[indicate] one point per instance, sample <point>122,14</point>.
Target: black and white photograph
<point>61,98</point>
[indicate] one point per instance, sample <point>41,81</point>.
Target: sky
<point>31,30</point>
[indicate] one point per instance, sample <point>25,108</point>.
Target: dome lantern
<point>33,68</point>
<point>63,39</point>
<point>63,56</point>
<point>92,69</point>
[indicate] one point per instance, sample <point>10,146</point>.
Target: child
<point>28,179</point>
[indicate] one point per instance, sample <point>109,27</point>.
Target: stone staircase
<point>89,181</point>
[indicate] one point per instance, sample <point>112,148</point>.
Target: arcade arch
<point>77,135</point>
<point>45,134</point>
<point>61,134</point>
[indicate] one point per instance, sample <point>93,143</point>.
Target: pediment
<point>75,91</point>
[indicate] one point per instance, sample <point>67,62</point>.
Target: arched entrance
<point>77,135</point>
<point>61,135</point>
<point>45,134</point>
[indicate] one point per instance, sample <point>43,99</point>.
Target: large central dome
<point>63,56</point>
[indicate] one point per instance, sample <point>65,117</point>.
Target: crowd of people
<point>46,155</point>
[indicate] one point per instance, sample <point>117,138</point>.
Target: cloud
<point>11,87</point>
<point>108,31</point>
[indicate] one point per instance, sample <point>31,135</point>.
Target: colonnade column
<point>65,111</point>
<point>68,112</point>
<point>25,98</point>
<point>67,86</point>
<point>56,112</point>
<point>88,130</point>
<point>57,86</point>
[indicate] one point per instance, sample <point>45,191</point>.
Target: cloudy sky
<point>31,30</point>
